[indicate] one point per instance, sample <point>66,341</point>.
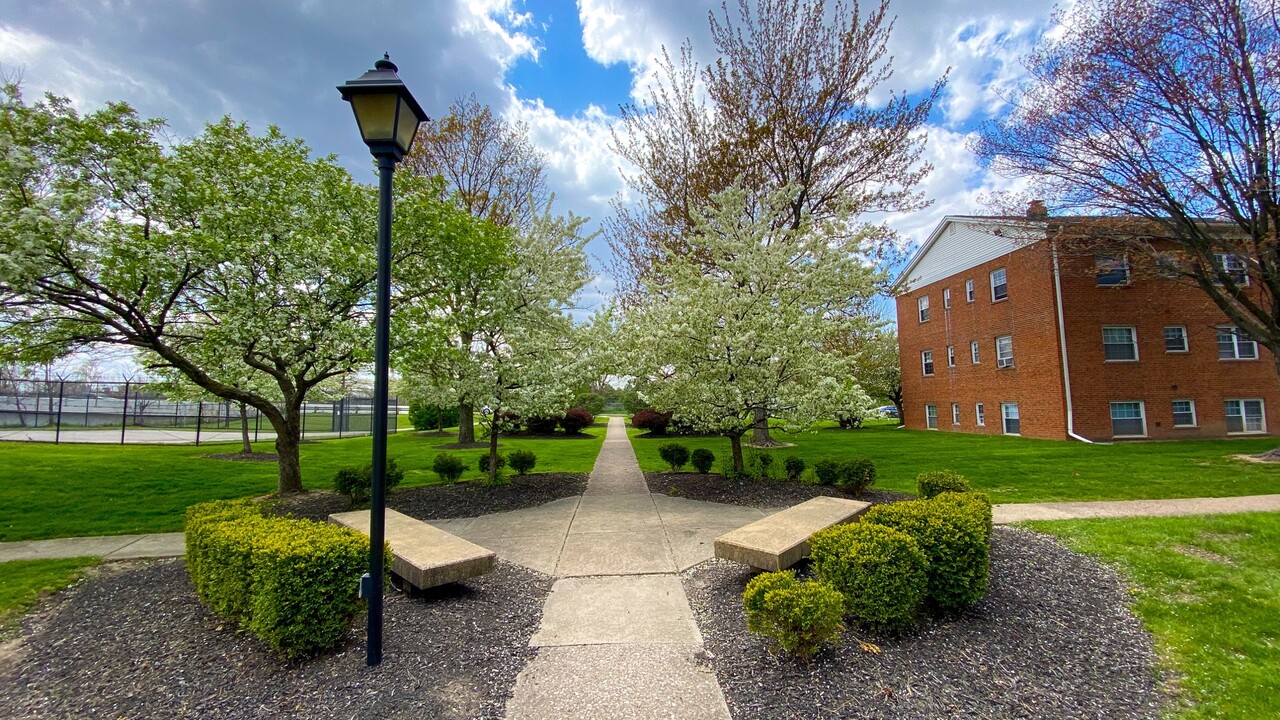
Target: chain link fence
<point>60,411</point>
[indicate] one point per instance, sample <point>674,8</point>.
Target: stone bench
<point>423,555</point>
<point>780,540</point>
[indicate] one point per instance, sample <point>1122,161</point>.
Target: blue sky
<point>561,67</point>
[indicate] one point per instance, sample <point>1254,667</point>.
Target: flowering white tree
<point>743,320</point>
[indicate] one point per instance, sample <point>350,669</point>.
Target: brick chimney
<point>1036,209</point>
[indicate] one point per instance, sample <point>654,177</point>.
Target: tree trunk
<point>493,451</point>
<point>246,448</point>
<point>735,445</point>
<point>466,423</point>
<point>288,437</point>
<point>760,436</point>
<point>439,418</point>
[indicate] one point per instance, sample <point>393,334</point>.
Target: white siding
<point>961,243</point>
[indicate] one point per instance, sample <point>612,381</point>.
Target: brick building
<point>1000,333</point>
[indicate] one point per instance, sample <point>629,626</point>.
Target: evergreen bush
<point>800,617</point>
<point>448,467</point>
<point>674,454</point>
<point>703,460</point>
<point>827,471</point>
<point>881,572</point>
<point>929,484</point>
<point>357,483</point>
<point>857,474</point>
<point>522,461</point>
<point>793,466</point>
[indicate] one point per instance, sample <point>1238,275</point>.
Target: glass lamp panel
<point>406,126</point>
<point>376,114</point>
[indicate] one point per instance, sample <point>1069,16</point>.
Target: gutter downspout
<point>1062,343</point>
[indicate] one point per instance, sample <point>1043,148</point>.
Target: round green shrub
<point>764,461</point>
<point>800,617</point>
<point>357,483</point>
<point>448,467</point>
<point>929,484</point>
<point>793,466</point>
<point>880,571</point>
<point>827,471</point>
<point>522,461</point>
<point>702,459</point>
<point>482,463</point>
<point>857,475</point>
<point>674,454</point>
<point>953,531</point>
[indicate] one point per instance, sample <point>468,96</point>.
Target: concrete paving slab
<point>551,518</point>
<point>616,609</point>
<point>1016,512</point>
<point>453,525</point>
<point>623,553</point>
<point>681,512</point>
<point>157,545</point>
<point>694,545</point>
<point>615,513</point>
<point>617,682</point>
<point>536,552</point>
<point>93,546</point>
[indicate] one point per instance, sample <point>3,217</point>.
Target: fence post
<point>124,412</point>
<point>257,423</point>
<point>342,415</point>
<point>57,432</point>
<point>304,420</point>
<point>199,418</point>
<point>395,416</point>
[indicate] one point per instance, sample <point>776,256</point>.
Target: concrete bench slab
<point>781,539</point>
<point>423,555</point>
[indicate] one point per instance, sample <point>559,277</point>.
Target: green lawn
<point>49,491</point>
<point>22,582</point>
<point>1208,589</point>
<point>1013,469</point>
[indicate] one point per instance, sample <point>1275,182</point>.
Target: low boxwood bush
<point>793,466</point>
<point>800,617</point>
<point>522,461</point>
<point>576,420</point>
<point>953,531</point>
<point>448,467</point>
<point>703,460</point>
<point>880,571</point>
<point>652,420</point>
<point>292,583</point>
<point>482,463</point>
<point>762,461</point>
<point>857,474</point>
<point>827,471</point>
<point>674,454</point>
<point>929,484</point>
<point>357,483</point>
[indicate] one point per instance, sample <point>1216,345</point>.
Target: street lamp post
<point>388,117</point>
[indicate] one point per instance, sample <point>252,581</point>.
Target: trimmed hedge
<point>482,462</point>
<point>800,617</point>
<point>827,471</point>
<point>292,583</point>
<point>857,474</point>
<point>954,532</point>
<point>448,467</point>
<point>793,466</point>
<point>703,460</point>
<point>880,571</point>
<point>522,461</point>
<point>674,454</point>
<point>357,483</point>
<point>929,484</point>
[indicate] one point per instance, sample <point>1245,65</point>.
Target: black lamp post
<point>388,117</point>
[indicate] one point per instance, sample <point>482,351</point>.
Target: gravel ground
<point>1053,639</point>
<point>133,642</point>
<point>770,493</point>
<point>438,502</point>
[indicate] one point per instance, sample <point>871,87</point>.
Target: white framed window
<point>1004,351</point>
<point>973,351</point>
<point>951,356</point>
<point>1184,413</point>
<point>926,362</point>
<point>1012,421</point>
<point>1119,343</point>
<point>946,298</point>
<point>999,285</point>
<point>1128,419</point>
<point>922,308</point>
<point>1175,339</point>
<point>1111,270</point>
<point>931,417</point>
<point>980,415</point>
<point>968,291</point>
<point>1245,416</point>
<point>1234,345</point>
<point>1232,266</point>
<point>955,413</point>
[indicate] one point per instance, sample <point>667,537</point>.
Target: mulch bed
<point>751,493</point>
<point>134,642</point>
<point>440,502</point>
<point>1053,639</point>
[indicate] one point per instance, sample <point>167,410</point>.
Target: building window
<point>999,285</point>
<point>980,415</point>
<point>922,306</point>
<point>955,413</point>
<point>926,362</point>
<point>1245,416</point>
<point>951,356</point>
<point>1175,338</point>
<point>1111,270</point>
<point>946,298</point>
<point>1012,423</point>
<point>1232,266</point>
<point>1119,343</point>
<point>968,291</point>
<point>1233,345</point>
<point>1184,413</point>
<point>1004,351</point>
<point>1128,419</point>
<point>931,417</point>
<point>973,351</point>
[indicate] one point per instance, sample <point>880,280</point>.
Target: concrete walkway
<point>1019,512</point>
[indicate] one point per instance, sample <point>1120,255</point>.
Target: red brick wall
<point>1158,377</point>
<point>1028,315</point>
